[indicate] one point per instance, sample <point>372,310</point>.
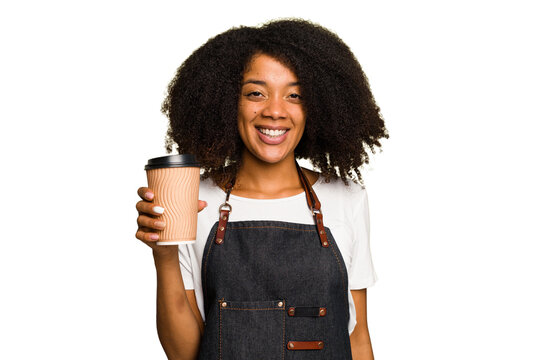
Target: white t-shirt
<point>345,213</point>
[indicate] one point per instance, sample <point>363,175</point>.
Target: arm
<point>179,323</point>
<point>360,340</point>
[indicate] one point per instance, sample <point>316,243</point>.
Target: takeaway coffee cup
<point>174,180</point>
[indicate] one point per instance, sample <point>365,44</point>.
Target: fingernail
<point>154,236</point>
<point>159,224</point>
<point>158,209</point>
<point>149,195</point>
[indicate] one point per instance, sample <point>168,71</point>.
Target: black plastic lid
<point>171,161</point>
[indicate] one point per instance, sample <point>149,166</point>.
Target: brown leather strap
<point>307,311</point>
<point>314,206</point>
<point>312,200</point>
<point>222,226</point>
<point>305,345</point>
<point>224,211</point>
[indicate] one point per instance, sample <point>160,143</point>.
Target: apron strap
<point>224,211</point>
<point>313,203</point>
<point>314,206</point>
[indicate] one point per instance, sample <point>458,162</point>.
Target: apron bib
<point>274,290</point>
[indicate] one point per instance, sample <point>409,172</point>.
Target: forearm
<point>361,346</point>
<point>177,326</point>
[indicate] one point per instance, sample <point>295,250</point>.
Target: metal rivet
<point>219,240</point>
<point>224,217</point>
<point>291,311</point>
<point>291,345</point>
<point>280,304</point>
<point>320,344</point>
<point>322,232</point>
<point>224,304</point>
<point>221,228</point>
<point>325,243</point>
<point>322,311</point>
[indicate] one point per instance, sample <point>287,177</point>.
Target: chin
<point>271,159</point>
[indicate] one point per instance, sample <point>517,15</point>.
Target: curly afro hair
<point>342,118</point>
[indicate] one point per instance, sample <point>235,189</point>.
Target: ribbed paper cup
<point>174,180</point>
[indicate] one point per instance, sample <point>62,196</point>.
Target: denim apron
<point>274,290</point>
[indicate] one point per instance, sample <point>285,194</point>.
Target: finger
<point>151,223</point>
<point>202,205</point>
<point>146,207</point>
<point>146,236</point>
<point>145,193</point>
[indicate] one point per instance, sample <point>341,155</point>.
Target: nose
<point>275,108</point>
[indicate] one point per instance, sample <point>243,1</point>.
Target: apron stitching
<point>345,289</point>
<point>206,262</point>
<point>283,344</point>
<point>271,227</point>
<point>228,308</point>
<point>220,352</point>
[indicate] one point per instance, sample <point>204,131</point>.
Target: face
<point>271,117</point>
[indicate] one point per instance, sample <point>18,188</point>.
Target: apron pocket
<point>251,330</point>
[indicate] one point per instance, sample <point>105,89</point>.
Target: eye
<point>295,98</point>
<point>255,96</point>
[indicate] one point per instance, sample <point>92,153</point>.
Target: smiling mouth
<point>272,133</point>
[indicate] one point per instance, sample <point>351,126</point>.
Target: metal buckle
<point>225,204</point>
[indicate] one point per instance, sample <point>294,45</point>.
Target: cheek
<point>242,129</point>
<point>301,123</point>
<point>302,130</point>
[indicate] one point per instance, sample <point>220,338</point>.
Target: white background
<point>454,193</point>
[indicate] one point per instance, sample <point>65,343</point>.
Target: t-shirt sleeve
<point>185,253</point>
<point>362,273</point>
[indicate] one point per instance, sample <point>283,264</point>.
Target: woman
<point>269,277</point>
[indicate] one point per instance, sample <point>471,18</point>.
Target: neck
<point>258,179</point>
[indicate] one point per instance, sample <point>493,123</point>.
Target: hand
<point>147,219</point>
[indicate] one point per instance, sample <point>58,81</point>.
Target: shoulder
<point>334,185</point>
<point>338,186</point>
<point>349,198</point>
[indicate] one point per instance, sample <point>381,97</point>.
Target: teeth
<point>274,133</point>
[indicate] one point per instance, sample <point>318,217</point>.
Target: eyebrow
<point>260,82</point>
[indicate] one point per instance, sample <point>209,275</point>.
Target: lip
<point>273,140</point>
<point>269,127</point>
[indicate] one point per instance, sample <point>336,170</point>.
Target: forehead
<point>265,67</point>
